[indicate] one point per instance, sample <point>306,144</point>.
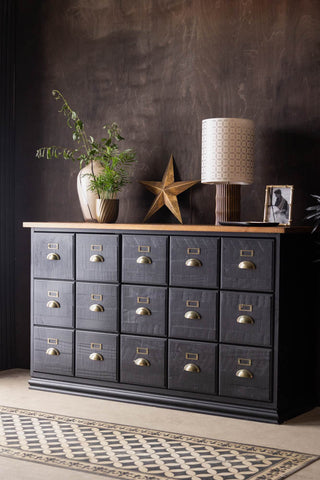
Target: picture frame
<point>278,204</point>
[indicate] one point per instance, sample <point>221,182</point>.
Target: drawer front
<point>53,303</point>
<point>194,262</point>
<point>143,310</point>
<point>247,264</point>
<point>193,314</point>
<point>192,366</point>
<point>143,361</point>
<point>53,255</point>
<point>245,372</point>
<point>97,257</point>
<point>97,355</point>
<point>97,306</point>
<point>246,318</point>
<point>53,350</point>
<point>144,259</point>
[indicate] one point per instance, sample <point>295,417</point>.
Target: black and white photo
<point>278,204</point>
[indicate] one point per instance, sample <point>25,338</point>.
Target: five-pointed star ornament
<point>166,192</point>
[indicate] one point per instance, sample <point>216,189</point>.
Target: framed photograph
<point>278,204</point>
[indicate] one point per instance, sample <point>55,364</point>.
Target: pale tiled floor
<point>300,434</point>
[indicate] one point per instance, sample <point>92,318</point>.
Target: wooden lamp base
<point>227,203</point>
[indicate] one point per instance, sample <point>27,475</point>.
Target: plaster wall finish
<point>158,67</point>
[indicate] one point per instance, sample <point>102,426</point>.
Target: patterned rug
<point>134,453</point>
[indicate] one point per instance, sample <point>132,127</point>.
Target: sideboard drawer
<point>97,306</point>
<point>53,255</point>
<point>192,366</point>
<point>247,264</point>
<point>143,310</point>
<point>54,303</point>
<point>194,262</point>
<point>193,314</point>
<point>97,355</point>
<point>53,350</point>
<point>245,372</point>
<point>144,259</point>
<point>143,360</point>
<point>246,318</point>
<point>97,257</point>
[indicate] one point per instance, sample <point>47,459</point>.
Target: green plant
<point>315,215</point>
<point>115,163</point>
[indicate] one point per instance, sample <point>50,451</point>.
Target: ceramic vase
<point>107,210</point>
<point>87,198</point>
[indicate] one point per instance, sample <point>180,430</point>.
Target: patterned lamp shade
<point>227,151</point>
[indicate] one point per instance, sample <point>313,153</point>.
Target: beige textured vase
<point>86,197</point>
<point>107,210</point>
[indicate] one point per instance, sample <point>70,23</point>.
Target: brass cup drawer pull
<point>193,262</point>
<point>144,259</point>
<point>192,315</point>
<point>53,304</point>
<point>53,256</point>
<point>192,368</point>
<point>52,351</point>
<point>96,308</point>
<point>96,258</point>
<point>96,357</point>
<point>141,362</point>
<point>143,311</point>
<point>245,319</point>
<point>246,265</point>
<point>243,373</point>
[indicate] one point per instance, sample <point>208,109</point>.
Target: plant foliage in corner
<point>115,163</point>
<point>315,214</point>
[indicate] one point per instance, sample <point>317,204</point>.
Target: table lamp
<point>227,161</point>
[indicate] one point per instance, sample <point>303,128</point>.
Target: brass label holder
<point>96,346</point>
<point>192,356</point>
<point>245,308</point>
<point>53,294</point>
<point>96,248</point>
<point>144,249</point>
<point>53,246</point>
<point>246,253</point>
<point>142,351</point>
<point>193,251</point>
<point>193,303</point>
<point>96,297</point>
<point>52,341</point>
<point>144,300</point>
<point>247,362</point>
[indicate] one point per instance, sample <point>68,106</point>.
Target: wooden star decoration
<point>166,192</point>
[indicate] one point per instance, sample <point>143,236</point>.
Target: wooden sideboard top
<point>164,227</point>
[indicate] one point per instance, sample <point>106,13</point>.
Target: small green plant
<point>115,163</point>
<point>315,215</point>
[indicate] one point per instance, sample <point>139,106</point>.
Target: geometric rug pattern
<point>127,452</point>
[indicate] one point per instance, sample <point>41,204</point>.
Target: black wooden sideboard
<point>202,318</point>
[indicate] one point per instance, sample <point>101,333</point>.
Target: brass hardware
<point>96,346</point>
<point>96,308</point>
<point>245,319</point>
<point>192,315</point>
<point>142,362</point>
<point>243,373</point>
<point>53,294</point>
<point>192,356</point>
<point>96,356</point>
<point>246,253</point>
<point>193,303</point>
<point>53,304</point>
<point>96,258</point>
<point>247,265</point>
<point>144,259</point>
<point>247,362</point>
<point>52,351</point>
<point>144,249</point>
<point>96,248</point>
<point>53,246</point>
<point>96,297</point>
<point>53,256</point>
<point>245,308</point>
<point>143,311</point>
<point>142,350</point>
<point>193,251</point>
<point>191,367</point>
<point>193,262</point>
<point>52,341</point>
<point>143,300</point>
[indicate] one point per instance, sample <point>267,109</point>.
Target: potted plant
<point>104,167</point>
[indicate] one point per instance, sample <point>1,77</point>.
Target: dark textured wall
<point>158,67</point>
